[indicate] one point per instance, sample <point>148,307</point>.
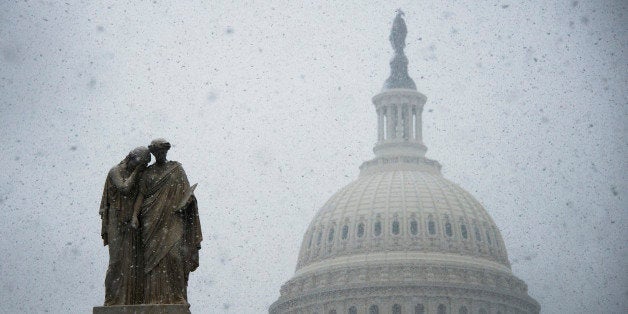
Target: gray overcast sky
<point>268,108</point>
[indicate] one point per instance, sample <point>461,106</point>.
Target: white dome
<point>403,237</point>
<point>400,209</point>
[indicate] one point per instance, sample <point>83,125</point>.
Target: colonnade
<point>399,122</point>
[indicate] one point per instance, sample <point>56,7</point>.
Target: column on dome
<point>399,122</point>
<point>413,122</point>
<point>409,122</point>
<point>404,123</point>
<point>380,124</point>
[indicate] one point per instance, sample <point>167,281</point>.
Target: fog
<point>268,107</point>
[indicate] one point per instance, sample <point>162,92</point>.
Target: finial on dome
<point>399,77</point>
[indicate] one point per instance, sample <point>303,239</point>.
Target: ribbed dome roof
<point>401,205</point>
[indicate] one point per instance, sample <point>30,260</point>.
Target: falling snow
<point>269,109</point>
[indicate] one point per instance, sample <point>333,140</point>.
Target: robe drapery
<point>123,280</point>
<point>171,236</point>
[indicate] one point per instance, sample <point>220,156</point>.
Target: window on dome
<point>441,309</point>
<point>463,310</point>
<point>345,232</point>
<point>396,309</point>
<point>319,238</point>
<point>414,227</point>
<point>360,230</point>
<point>478,237</point>
<point>377,229</point>
<point>330,237</point>
<point>431,227</point>
<point>488,238</point>
<point>309,244</point>
<point>419,309</point>
<point>353,310</point>
<point>373,309</point>
<point>448,229</point>
<point>395,227</point>
<point>463,230</point>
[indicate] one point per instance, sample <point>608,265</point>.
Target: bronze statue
<point>150,223</point>
<point>122,282</point>
<point>399,77</point>
<point>166,214</point>
<point>398,33</point>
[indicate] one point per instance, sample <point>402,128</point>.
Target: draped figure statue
<point>123,279</point>
<point>166,214</point>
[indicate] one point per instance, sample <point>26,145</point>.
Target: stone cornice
<point>400,163</point>
<point>402,258</point>
<point>398,96</point>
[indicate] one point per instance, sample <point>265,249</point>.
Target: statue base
<point>143,309</point>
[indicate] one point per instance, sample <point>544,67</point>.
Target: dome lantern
<point>399,106</point>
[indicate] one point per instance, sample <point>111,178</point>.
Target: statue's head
<point>138,156</point>
<point>159,148</point>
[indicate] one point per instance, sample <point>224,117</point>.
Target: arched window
<point>483,311</point>
<point>345,232</point>
<point>360,230</point>
<point>319,237</point>
<point>448,231</point>
<point>330,237</point>
<point>419,309</point>
<point>353,310</point>
<point>463,231</point>
<point>441,309</point>
<point>488,238</point>
<point>373,309</point>
<point>431,227</point>
<point>395,227</point>
<point>478,237</point>
<point>414,227</point>
<point>396,309</point>
<point>463,310</point>
<point>377,229</point>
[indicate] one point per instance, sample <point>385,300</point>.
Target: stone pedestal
<point>143,309</point>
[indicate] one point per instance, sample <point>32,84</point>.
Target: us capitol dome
<point>402,238</point>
